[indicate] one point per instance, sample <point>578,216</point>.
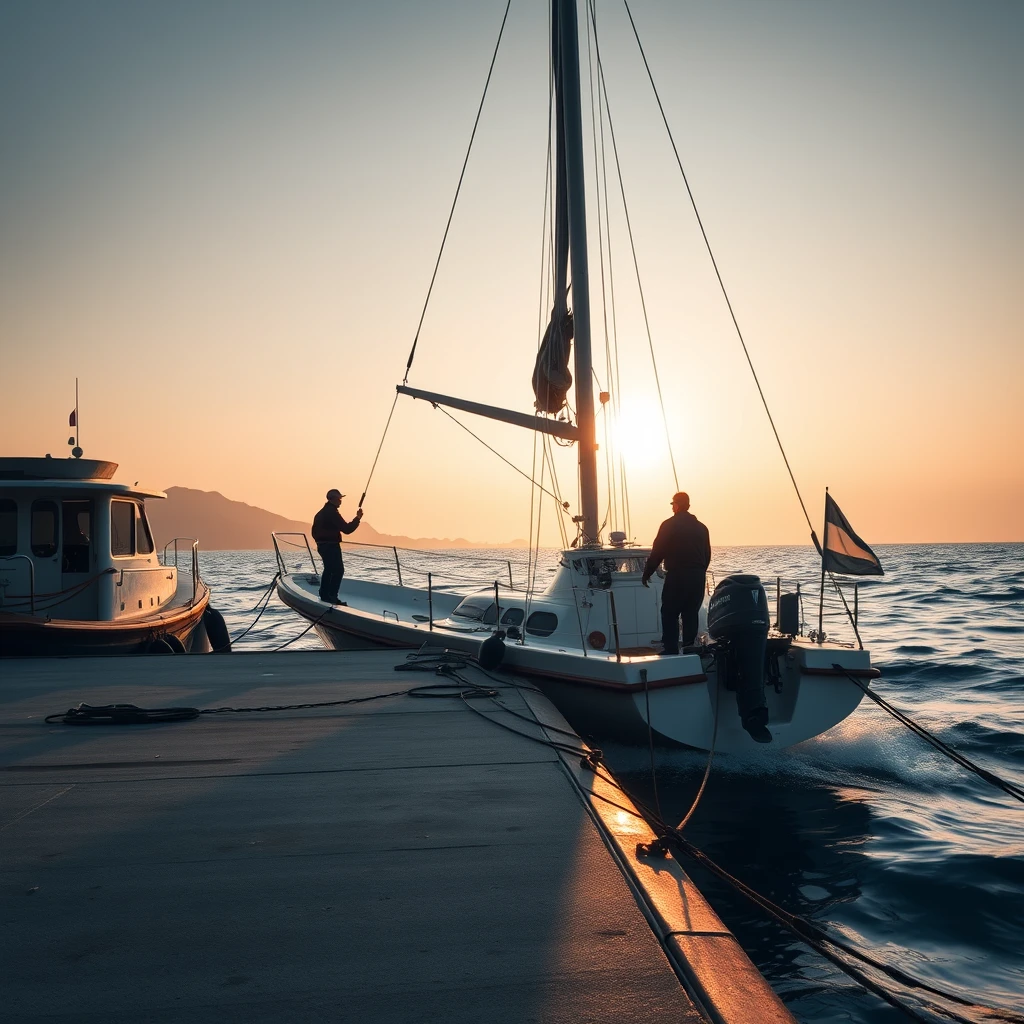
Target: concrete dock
<point>395,860</point>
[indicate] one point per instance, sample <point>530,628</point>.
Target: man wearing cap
<point>684,545</point>
<point>328,526</point>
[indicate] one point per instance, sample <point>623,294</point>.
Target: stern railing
<point>408,567</point>
<point>194,544</point>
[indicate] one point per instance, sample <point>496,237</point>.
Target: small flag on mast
<point>843,551</point>
<point>73,418</point>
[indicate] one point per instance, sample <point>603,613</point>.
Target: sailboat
<point>590,638</point>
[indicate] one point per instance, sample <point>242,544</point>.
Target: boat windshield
<point>476,609</point>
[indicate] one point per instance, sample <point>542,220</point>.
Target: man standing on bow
<point>684,546</point>
<point>328,526</point>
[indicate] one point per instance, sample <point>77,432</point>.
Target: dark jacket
<point>328,526</point>
<point>683,544</point>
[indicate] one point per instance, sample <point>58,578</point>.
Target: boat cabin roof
<point>35,474</point>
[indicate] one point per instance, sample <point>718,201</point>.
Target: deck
<point>395,860</point>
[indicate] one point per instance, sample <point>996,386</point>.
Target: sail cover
<point>551,376</point>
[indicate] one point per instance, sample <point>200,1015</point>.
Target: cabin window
<point>143,538</point>
<point>513,617</point>
<point>476,609</point>
<point>8,527</point>
<point>44,529</point>
<point>77,530</point>
<point>122,526</point>
<point>629,564</point>
<point>542,623</point>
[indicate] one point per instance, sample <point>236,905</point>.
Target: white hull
<point>677,695</point>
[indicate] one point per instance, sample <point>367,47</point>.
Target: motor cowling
<point>738,620</point>
<point>739,604</point>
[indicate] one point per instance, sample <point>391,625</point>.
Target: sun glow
<point>638,436</point>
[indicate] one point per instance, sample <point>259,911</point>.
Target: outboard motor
<point>738,617</point>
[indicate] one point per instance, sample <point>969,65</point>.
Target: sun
<point>639,435</point>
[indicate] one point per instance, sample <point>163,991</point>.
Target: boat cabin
<point>76,545</point>
<point>594,594</point>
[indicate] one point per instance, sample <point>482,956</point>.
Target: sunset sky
<point>222,217</point>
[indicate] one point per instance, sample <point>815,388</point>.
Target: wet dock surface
<point>400,859</point>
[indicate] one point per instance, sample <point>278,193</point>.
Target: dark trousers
<point>334,570</point>
<point>682,596</point>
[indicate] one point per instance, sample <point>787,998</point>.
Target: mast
<point>566,62</point>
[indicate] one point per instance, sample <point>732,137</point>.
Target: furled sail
<point>551,376</point>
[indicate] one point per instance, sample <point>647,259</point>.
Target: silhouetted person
<point>328,526</point>
<point>684,546</point>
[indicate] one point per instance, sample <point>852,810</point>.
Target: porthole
<point>542,623</point>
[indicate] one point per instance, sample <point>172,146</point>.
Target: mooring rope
<point>991,778</point>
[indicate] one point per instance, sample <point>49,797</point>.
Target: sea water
<point>866,830</point>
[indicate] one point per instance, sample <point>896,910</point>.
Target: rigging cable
<point>379,447</point>
<point>613,356</point>
<point>636,265</point>
<point>544,289</point>
<point>714,263</point>
<point>444,239</point>
<point>458,188</point>
<point>563,505</point>
<point>602,214</point>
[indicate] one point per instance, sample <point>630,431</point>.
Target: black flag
<point>844,551</point>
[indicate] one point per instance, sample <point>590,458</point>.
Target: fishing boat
<point>79,569</point>
<point>591,636</point>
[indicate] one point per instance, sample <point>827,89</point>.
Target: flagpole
<point>821,595</point>
<point>77,444</point>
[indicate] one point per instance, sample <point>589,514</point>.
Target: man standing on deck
<point>684,545</point>
<point>328,526</point>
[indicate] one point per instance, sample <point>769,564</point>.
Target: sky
<point>223,217</point>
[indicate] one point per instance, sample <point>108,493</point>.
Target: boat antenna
<point>76,451</point>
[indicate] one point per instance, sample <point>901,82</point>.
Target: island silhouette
<point>222,524</point>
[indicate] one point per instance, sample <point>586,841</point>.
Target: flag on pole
<point>843,551</point>
<point>73,418</point>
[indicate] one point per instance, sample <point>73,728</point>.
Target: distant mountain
<point>225,525</point>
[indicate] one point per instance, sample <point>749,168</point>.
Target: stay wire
<point>563,505</point>
<point>636,264</point>
<point>714,263</point>
<point>991,778</point>
<point>451,214</point>
<point>379,447</point>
